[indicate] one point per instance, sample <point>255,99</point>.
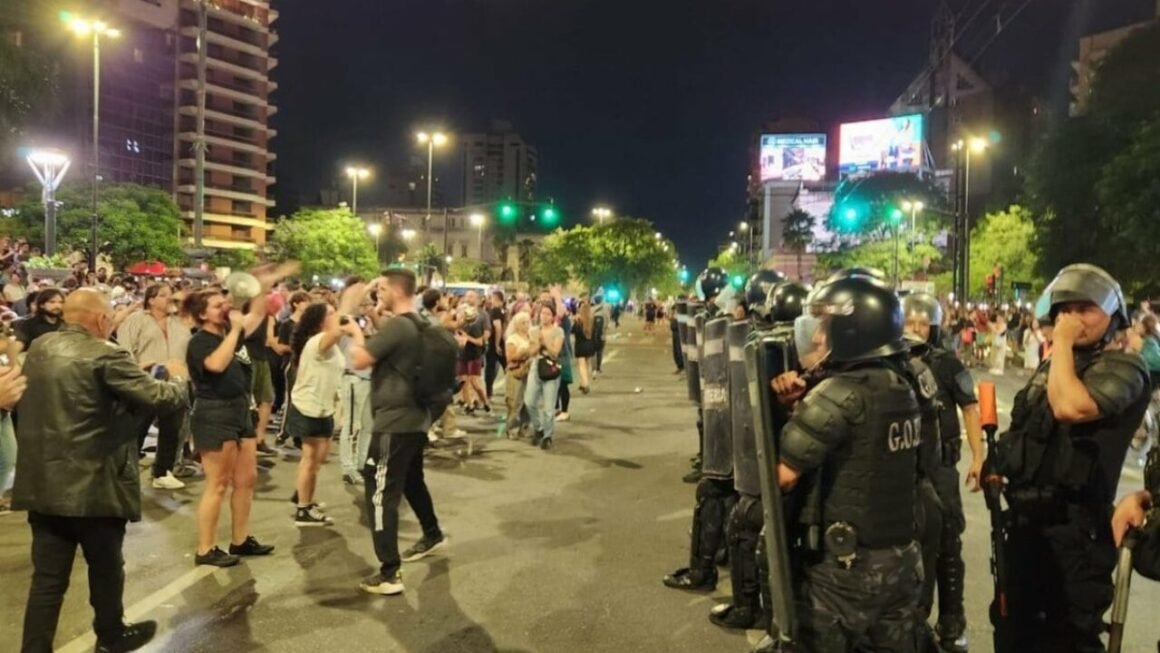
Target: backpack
<point>434,377</point>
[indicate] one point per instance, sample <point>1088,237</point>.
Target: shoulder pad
<point>1116,380</point>
<point>844,392</point>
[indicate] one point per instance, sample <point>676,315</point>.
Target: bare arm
<point>219,360</point>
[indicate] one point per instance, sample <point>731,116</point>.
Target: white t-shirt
<point>319,377</point>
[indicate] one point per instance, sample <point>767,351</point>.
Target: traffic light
<point>508,212</point>
<point>738,281</point>
<point>550,215</point>
<point>848,219</point>
<point>894,215</point>
<point>683,275</point>
<point>612,295</point>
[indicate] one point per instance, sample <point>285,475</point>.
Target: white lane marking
<point>144,607</point>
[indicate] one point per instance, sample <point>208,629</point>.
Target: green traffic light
<point>895,215</point>
<point>738,281</point>
<point>550,215</point>
<point>507,212</point>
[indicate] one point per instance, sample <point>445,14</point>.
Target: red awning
<point>148,268</point>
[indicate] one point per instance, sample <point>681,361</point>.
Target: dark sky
<point>645,105</point>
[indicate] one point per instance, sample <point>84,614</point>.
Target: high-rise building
<point>148,105</point>
<point>1092,50</point>
<point>498,164</point>
<point>238,161</point>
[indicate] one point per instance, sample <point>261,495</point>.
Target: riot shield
<point>745,474</point>
<point>681,309</point>
<point>767,355</point>
<point>717,457</point>
<point>693,351</point>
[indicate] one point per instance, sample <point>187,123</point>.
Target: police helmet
<point>857,270</point>
<point>1084,282</point>
<point>862,317</point>
<point>786,302</point>
<point>710,282</point>
<point>757,290</point>
<point>924,306</point>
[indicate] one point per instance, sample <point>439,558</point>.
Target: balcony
<point>215,88</point>
<point>231,219</point>
<point>236,12</point>
<point>221,64</point>
<point>228,194</point>
<point>231,118</point>
<point>191,136</point>
<point>226,41</point>
<point>229,168</point>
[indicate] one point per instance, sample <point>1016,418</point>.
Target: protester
<point>519,362</point>
<point>154,336</point>
<point>310,416</point>
<point>540,397</point>
<point>14,290</point>
<point>76,475</point>
<point>354,397</point>
<point>494,358</point>
<point>476,331</point>
<point>261,381</point>
<point>395,459</point>
<point>285,330</point>
<point>586,345</point>
<point>46,319</point>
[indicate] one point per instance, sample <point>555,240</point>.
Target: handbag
<point>547,368</point>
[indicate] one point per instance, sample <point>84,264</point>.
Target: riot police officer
<point>768,301</point>
<point>1062,456</point>
<point>955,388</point>
<point>714,476</point>
<point>854,438</point>
<point>708,285</point>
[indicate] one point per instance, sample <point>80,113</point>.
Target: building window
<point>462,250</point>
<point>242,207</point>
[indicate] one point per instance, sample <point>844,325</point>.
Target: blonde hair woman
<point>518,353</point>
<point>586,345</point>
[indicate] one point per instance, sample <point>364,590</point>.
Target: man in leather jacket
<point>77,471</point>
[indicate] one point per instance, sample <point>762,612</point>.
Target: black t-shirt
<point>475,329</point>
<point>956,389</point>
<point>232,383</point>
<point>30,328</point>
<point>494,314</point>
<point>284,331</point>
<point>256,341</point>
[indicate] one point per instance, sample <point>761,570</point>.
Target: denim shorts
<point>302,426</point>
<point>214,422</point>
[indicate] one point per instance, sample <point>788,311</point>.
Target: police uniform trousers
<point>1059,580</point>
<point>870,606</point>
<point>950,569</point>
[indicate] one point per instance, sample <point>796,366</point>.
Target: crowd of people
<point>215,384</point>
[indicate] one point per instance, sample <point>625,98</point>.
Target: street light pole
<point>431,140</point>
<point>355,173</point>
<point>897,245</point>
<point>50,168</point>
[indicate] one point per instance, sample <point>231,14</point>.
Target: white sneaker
<point>167,482</point>
<point>562,417</point>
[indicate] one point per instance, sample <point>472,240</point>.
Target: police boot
<point>951,630</point>
<point>693,580</point>
<point>694,474</point>
<point>728,615</point>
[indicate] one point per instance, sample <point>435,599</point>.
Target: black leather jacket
<point>77,442</point>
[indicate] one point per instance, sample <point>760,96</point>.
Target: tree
<point>138,223</point>
<point>1003,239</point>
<point>879,253</point>
<point>466,269</point>
<point>430,260</point>
<point>328,243</point>
<point>863,205</point>
<point>234,259</point>
<point>625,254</point>
<point>1090,203</point>
<point>798,234</point>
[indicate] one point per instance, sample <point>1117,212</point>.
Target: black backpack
<point>434,377</point>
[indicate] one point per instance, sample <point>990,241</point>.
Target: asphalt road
<point>549,551</point>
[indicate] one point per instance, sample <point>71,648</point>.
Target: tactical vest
<point>925,388</point>
<point>950,431</point>
<point>869,482</point>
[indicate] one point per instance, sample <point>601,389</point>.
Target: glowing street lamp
<point>978,146</point>
<point>432,140</point>
<point>376,230</point>
<point>355,173</point>
<point>407,234</point>
<point>96,29</point>
<point>601,213</point>
<point>50,167</point>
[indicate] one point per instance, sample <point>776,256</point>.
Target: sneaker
<point>311,516</point>
<point>186,471</point>
<point>562,417</point>
<point>487,407</point>
<point>216,558</point>
<point>133,637</point>
<point>251,547</point>
<point>167,482</point>
<point>380,584</point>
<point>422,549</point>
<point>321,505</point>
<point>266,450</point>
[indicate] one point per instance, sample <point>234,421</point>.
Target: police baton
<point>992,493</point>
<point>1123,582</point>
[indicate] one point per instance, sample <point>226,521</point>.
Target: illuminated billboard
<point>798,157</point>
<point>886,144</point>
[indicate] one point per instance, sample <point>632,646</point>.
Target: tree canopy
<point>328,242</point>
<point>1004,238</point>
<point>625,253</point>
<point>137,223</point>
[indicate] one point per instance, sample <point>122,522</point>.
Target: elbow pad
<point>821,423</point>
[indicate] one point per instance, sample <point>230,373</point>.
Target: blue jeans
<point>540,400</point>
<point>355,437</point>
<point>7,450</point>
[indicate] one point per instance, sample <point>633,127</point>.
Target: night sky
<point>648,106</point>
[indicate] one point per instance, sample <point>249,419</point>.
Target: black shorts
<point>215,422</point>
<point>302,426</point>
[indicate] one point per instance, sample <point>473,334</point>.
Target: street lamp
<point>376,230</point>
<point>97,29</point>
<point>658,235</point>
<point>432,141</point>
<point>601,213</point>
<point>355,173</point>
<point>407,234</point>
<point>477,220</point>
<point>50,167</point>
<point>978,146</point>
